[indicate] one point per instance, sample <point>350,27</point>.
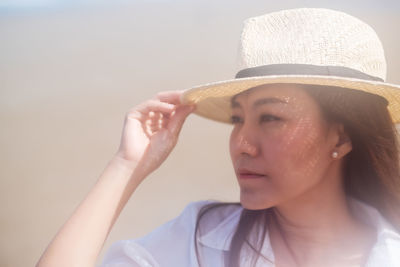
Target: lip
<point>248,174</point>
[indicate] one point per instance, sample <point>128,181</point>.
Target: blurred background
<point>70,70</point>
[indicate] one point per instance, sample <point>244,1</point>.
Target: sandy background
<point>70,71</point>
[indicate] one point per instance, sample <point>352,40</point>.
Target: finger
<point>164,123</point>
<point>156,123</point>
<point>152,121</point>
<point>181,113</point>
<point>172,97</point>
<point>147,128</point>
<point>152,106</point>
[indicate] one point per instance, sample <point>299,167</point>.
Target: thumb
<point>179,117</point>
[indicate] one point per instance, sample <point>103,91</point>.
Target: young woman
<point>313,146</point>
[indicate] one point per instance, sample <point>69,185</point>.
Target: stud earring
<point>335,154</point>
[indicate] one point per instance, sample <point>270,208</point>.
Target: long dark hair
<point>371,170</point>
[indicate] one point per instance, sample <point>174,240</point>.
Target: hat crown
<point>311,36</point>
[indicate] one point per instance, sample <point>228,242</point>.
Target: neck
<point>319,213</point>
<point>315,221</point>
<point>317,225</point>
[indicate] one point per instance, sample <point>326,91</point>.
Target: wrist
<point>121,161</point>
<point>131,168</point>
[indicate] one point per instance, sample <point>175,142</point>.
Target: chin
<point>252,203</point>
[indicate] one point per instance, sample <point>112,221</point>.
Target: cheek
<point>298,150</point>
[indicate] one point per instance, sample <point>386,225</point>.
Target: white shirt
<point>172,244</point>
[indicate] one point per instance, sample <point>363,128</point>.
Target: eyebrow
<point>259,102</point>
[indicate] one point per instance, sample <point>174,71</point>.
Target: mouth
<point>245,174</point>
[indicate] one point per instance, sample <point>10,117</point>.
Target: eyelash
<point>236,119</point>
<point>263,118</point>
<point>268,118</point>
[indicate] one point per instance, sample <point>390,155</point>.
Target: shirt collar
<point>372,217</point>
<point>386,249</point>
<point>220,237</point>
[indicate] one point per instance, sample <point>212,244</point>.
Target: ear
<point>342,143</point>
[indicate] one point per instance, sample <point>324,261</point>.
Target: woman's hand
<point>151,131</point>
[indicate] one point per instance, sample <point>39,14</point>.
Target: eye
<point>236,119</point>
<point>268,118</point>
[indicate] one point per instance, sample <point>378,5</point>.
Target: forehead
<point>276,93</point>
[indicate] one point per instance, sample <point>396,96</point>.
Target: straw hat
<point>303,46</point>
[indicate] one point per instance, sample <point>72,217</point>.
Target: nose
<point>244,142</point>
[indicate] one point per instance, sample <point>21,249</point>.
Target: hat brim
<point>213,100</point>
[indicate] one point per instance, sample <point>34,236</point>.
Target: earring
<point>335,154</point>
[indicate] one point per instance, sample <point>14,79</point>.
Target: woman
<point>313,147</point>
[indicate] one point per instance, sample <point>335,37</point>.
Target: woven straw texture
<point>313,36</point>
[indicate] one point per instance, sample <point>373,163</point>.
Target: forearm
<point>80,240</point>
<point>149,134</point>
